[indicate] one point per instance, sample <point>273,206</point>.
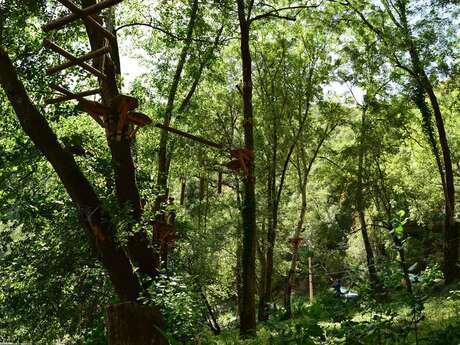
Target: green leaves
<point>399,230</point>
<point>400,221</point>
<point>180,303</point>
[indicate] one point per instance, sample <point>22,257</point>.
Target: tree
<point>399,39</point>
<point>93,214</point>
<point>247,312</point>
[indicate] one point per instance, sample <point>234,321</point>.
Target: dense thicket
<point>342,118</point>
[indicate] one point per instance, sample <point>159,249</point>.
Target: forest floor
<point>433,319</point>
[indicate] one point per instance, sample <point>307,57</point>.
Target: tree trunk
<point>303,173</point>
<point>295,254</point>
<point>122,161</point>
<point>93,216</point>
<point>275,193</point>
<point>267,267</point>
<point>451,233</point>
<point>163,159</point>
<point>266,297</point>
<point>96,220</point>
<point>239,252</point>
<point>213,323</point>
<point>182,192</point>
<point>134,324</point>
<point>360,209</point>
<point>369,253</point>
<point>247,312</point>
<point>262,265</point>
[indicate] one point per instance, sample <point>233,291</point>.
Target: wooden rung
<point>50,45</point>
<point>88,11</point>
<point>77,96</point>
<point>189,136</point>
<point>95,24</point>
<point>96,107</point>
<point>98,119</point>
<point>92,21</point>
<point>86,57</point>
<point>60,89</point>
<point>82,101</point>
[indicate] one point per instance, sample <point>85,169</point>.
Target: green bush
<point>329,306</point>
<point>448,336</point>
<point>180,304</point>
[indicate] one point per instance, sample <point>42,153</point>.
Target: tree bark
<point>133,324</point>
<point>247,312</point>
<point>127,192</point>
<point>373,279</point>
<point>92,214</point>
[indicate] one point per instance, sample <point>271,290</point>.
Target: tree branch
<point>153,26</point>
<point>274,13</point>
<point>186,101</point>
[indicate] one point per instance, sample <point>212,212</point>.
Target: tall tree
<point>245,19</point>
<point>304,165</point>
<point>247,310</point>
<point>288,84</point>
<point>94,216</point>
<point>360,203</point>
<point>398,41</point>
<point>163,159</point>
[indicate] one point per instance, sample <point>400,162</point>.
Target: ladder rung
<point>96,110</point>
<point>50,45</point>
<point>90,20</point>
<point>90,10</point>
<point>60,89</point>
<point>91,55</point>
<point>70,96</point>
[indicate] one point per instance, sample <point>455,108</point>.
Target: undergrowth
<point>331,320</point>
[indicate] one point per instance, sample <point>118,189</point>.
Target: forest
<point>211,172</point>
